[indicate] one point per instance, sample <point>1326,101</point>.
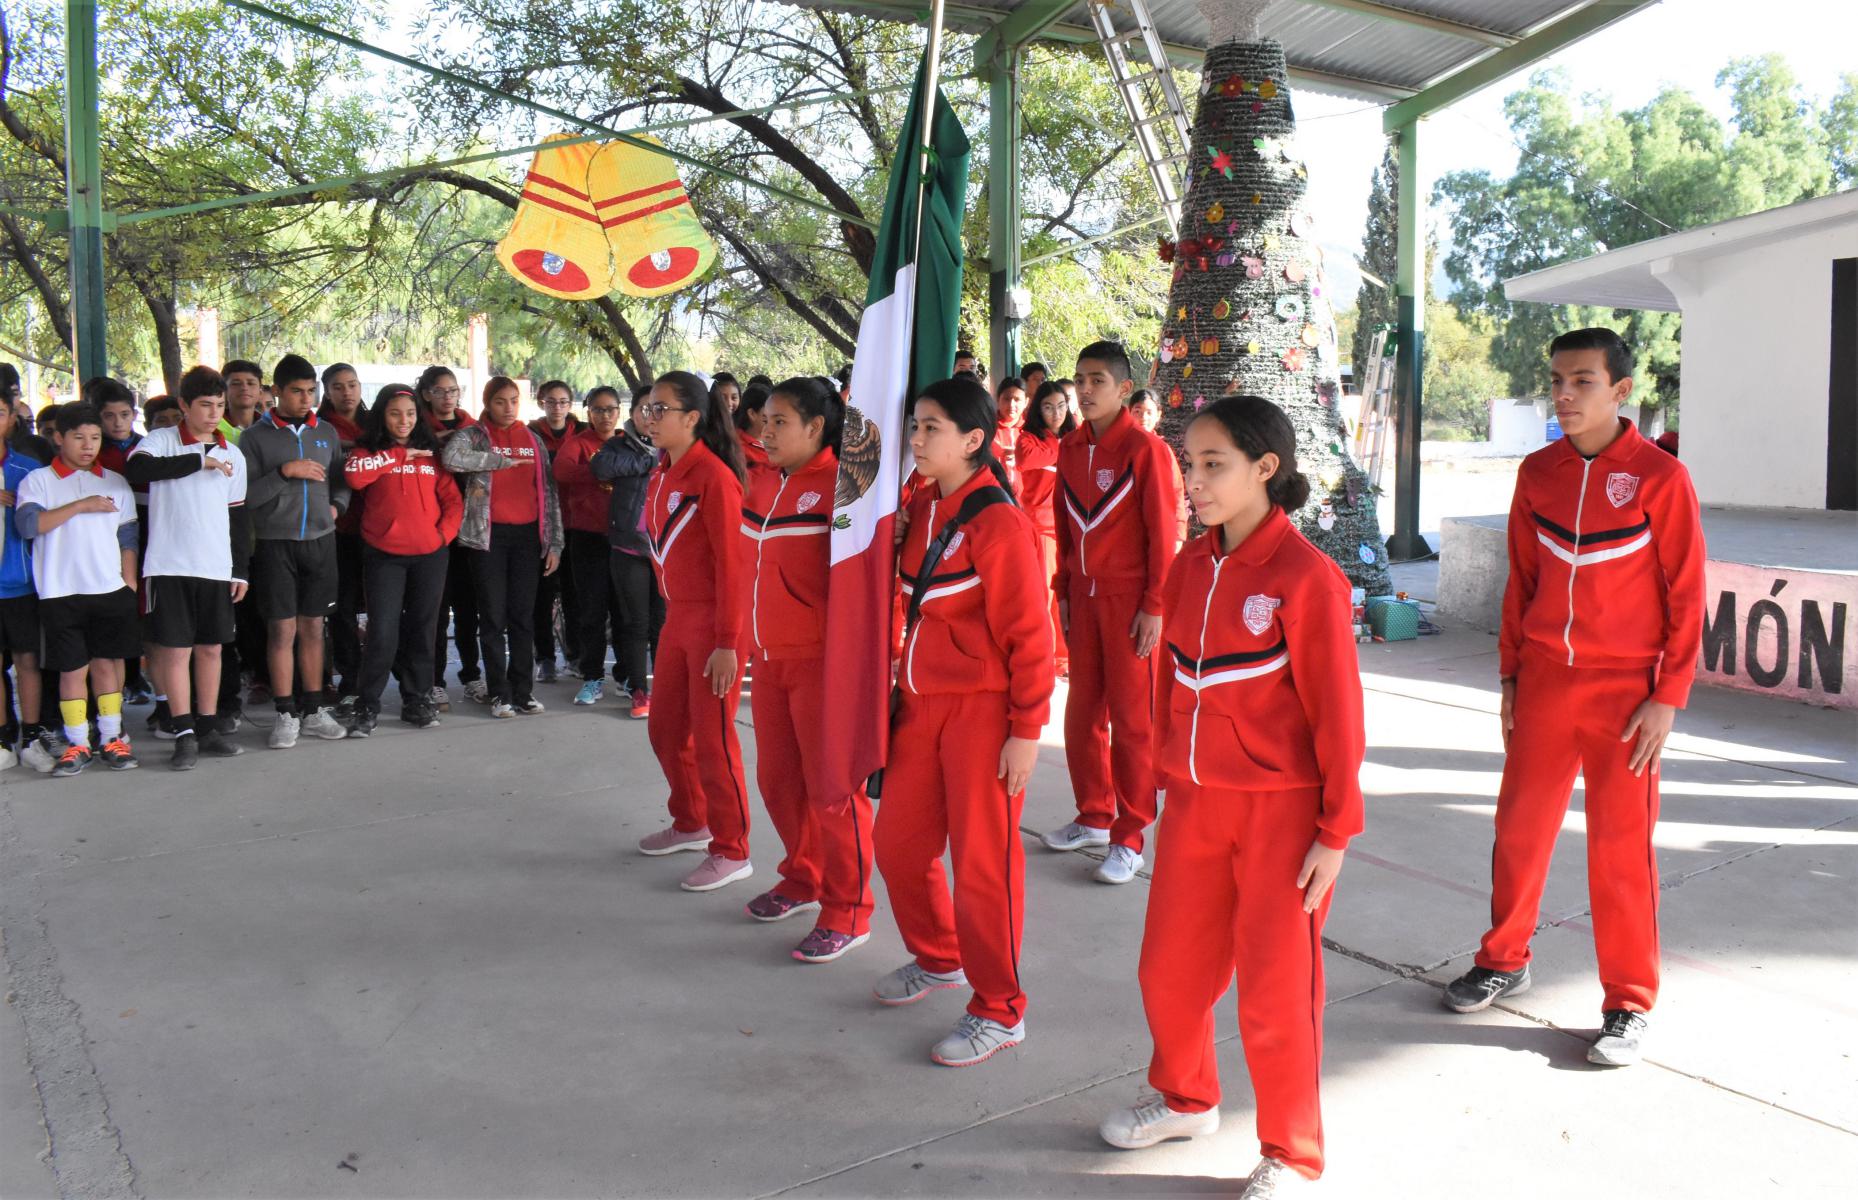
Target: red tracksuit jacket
<point>1116,533</point>
<point>413,507</point>
<point>1038,480</point>
<point>1606,563</point>
<point>693,514</point>
<point>975,630</point>
<point>787,527</point>
<point>1261,690</point>
<point>583,498</point>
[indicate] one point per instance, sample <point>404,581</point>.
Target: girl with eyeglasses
<point>692,517</point>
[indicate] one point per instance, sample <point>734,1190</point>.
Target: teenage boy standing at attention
<point>1602,624</point>
<point>295,492</point>
<point>1115,543</point>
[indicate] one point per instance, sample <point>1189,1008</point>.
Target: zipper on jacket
<point>761,546</point>
<point>1574,563</point>
<point>1193,729</point>
<point>303,522</point>
<point>1083,534</point>
<point>909,653</point>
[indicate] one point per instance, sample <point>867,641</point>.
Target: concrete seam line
<point>83,1148</point>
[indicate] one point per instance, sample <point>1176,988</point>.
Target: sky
<point>1681,42</point>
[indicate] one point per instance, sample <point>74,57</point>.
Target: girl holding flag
<point>693,516</point>
<point>786,530</point>
<point>974,688</point>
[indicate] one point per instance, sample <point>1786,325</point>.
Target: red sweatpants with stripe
<point>1224,901</point>
<point>693,735</point>
<point>827,839</point>
<point>942,791</point>
<point>1109,722</point>
<point>1568,720</point>
<point>1048,545</point>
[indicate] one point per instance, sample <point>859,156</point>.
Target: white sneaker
<point>284,732</point>
<point>975,1040</point>
<point>1119,866</point>
<point>41,753</point>
<point>322,724</point>
<point>1152,1122</point>
<point>1273,1177</point>
<point>440,699</point>
<point>502,709</point>
<point>8,759</point>
<point>1075,836</point>
<point>477,692</point>
<point>910,983</point>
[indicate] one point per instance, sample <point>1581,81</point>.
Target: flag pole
<point>933,78</point>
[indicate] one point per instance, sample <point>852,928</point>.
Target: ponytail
<point>715,430</point>
<point>970,408</point>
<point>1258,427</point>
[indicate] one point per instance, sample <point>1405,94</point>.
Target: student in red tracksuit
<point>693,518</point>
<point>411,516</point>
<point>1602,624</point>
<point>1115,540</point>
<point>1010,409</point>
<point>974,688</point>
<point>1260,742</point>
<point>787,532</point>
<point>1048,422</point>
<point>584,502</point>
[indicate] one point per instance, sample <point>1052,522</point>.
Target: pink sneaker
<point>716,872</point>
<point>772,906</point>
<point>670,841</point>
<point>825,945</point>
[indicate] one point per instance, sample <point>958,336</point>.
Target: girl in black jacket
<point>626,462</point>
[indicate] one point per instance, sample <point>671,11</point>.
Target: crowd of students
<point>1043,533</point>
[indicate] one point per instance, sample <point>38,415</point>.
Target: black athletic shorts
<point>80,628</point>
<point>185,610</point>
<point>294,579</point>
<point>19,624</point>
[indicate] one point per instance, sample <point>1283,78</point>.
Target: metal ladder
<point>1376,408</point>
<point>1163,132</point>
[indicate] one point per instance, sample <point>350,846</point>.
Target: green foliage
<point>1460,378</point>
<point>1375,304</point>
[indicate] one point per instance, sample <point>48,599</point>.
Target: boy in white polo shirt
<point>195,568</point>
<point>81,520</point>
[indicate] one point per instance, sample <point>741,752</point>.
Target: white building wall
<point>1756,358</point>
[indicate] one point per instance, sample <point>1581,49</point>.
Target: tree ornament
<point>1325,516</point>
<point>1232,87</point>
<point>1174,396</point>
<point>1289,308</point>
<point>1216,213</point>
<point>1311,336</point>
<point>1293,359</point>
<point>1222,163</point>
<point>1254,267</point>
<point>1209,347</point>
<point>1165,250</point>
<point>1293,271</point>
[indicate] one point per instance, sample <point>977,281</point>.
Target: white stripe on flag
<point>880,387</point>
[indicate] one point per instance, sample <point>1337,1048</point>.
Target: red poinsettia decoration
<point>1232,88</point>
<point>1164,250</point>
<point>1222,162</point>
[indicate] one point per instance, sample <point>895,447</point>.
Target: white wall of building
<point>1756,360</point>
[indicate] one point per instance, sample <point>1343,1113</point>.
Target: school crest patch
<point>673,500</point>
<point>1105,477</point>
<point>954,544</point>
<point>806,502</point>
<point>1621,487</point>
<point>1258,610</point>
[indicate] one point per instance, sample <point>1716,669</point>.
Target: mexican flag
<point>906,340</point>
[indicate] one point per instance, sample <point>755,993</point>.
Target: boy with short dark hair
<point>245,383</point>
<point>295,491</point>
<point>115,403</point>
<point>194,568</point>
<point>1115,543</point>
<point>82,523</point>
<point>1602,625</point>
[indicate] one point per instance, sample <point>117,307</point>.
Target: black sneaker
<point>346,708</point>
<point>228,723</point>
<point>213,743</point>
<point>161,721</point>
<point>422,716</point>
<point>1618,1044</point>
<point>362,723</point>
<point>186,752</point>
<point>1474,990</point>
<point>545,671</point>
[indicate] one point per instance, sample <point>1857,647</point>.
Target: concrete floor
<point>429,964</point>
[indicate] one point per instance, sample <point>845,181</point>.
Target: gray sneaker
<point>284,733</point>
<point>1477,988</point>
<point>322,724</point>
<point>975,1040</point>
<point>41,753</point>
<point>1152,1122</point>
<point>1273,1177</point>
<point>477,692</point>
<point>910,983</point>
<point>439,699</point>
<point>1119,866</point>
<point>1621,1031</point>
<point>1075,836</point>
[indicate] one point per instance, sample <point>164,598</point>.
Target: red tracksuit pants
<point>1048,544</point>
<point>1568,720</point>
<point>942,791</point>
<point>1224,900</point>
<point>693,735</point>
<point>828,840</point>
<point>1109,718</point>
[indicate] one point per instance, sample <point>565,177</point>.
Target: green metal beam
<point>1070,248</point>
<point>558,114</point>
<point>1536,46</point>
<point>1410,350</point>
<point>84,188</point>
<point>1003,215</point>
<point>1022,24</point>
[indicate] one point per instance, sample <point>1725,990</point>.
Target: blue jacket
<point>15,551</point>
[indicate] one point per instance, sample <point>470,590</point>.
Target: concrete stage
<point>429,964</point>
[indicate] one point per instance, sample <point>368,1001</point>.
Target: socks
<point>182,723</point>
<point>286,703</point>
<point>110,716</point>
<point>76,717</point>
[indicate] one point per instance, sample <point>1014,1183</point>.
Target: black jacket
<point>626,462</point>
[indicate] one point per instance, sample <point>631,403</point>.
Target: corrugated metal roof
<point>1370,49</point>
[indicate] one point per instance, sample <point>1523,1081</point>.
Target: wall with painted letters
<point>1785,633</point>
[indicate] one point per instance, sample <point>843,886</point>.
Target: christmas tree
<point>1247,311</point>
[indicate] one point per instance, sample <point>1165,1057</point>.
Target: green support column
<point>1410,357</point>
<point>84,187</point>
<point>1003,212</point>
